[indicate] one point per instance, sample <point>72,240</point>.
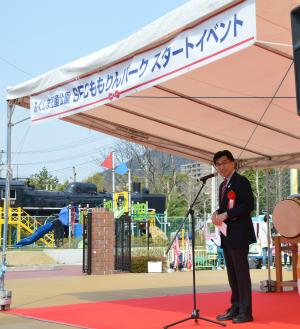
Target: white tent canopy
<point>230,89</point>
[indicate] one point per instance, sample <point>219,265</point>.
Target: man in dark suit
<point>236,202</point>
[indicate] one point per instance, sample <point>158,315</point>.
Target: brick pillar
<point>103,241</point>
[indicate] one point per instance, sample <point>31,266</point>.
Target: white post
<point>79,214</point>
<point>268,228</point>
<point>70,224</point>
<point>293,181</point>
<point>213,191</point>
<point>129,192</point>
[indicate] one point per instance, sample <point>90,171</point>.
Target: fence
<point>203,258</point>
<point>161,230</point>
<point>153,236</point>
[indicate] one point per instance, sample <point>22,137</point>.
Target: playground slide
<point>40,232</point>
<point>64,216</point>
<point>119,212</point>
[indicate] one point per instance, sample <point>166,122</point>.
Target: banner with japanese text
<point>212,39</point>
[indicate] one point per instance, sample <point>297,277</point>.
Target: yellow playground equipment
<point>120,203</point>
<point>138,212</point>
<point>22,224</point>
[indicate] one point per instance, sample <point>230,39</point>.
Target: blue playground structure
<point>40,232</point>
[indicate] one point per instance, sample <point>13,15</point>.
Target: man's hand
<point>219,219</point>
<point>213,217</point>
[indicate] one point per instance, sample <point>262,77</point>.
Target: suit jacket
<point>240,230</point>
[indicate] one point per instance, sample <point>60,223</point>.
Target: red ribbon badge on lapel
<point>231,196</point>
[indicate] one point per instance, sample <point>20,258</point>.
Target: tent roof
<point>244,102</point>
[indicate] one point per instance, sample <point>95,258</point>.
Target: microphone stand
<point>195,313</point>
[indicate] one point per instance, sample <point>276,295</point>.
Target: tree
<point>63,186</point>
<point>97,179</point>
<point>177,205</point>
<point>279,187</point>
<point>43,180</point>
<point>156,170</point>
<point>159,173</point>
<point>188,188</point>
<point>257,180</point>
<point>147,165</point>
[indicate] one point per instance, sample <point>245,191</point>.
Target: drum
<point>286,217</point>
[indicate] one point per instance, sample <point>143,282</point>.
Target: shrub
<point>139,264</point>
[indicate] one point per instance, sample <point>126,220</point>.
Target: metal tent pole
<point>268,230</point>
<point>113,181</point>
<point>5,295</point>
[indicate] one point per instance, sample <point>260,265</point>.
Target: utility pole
<point>1,162</point>
<point>146,166</point>
<point>74,174</point>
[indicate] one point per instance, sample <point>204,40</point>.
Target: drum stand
<point>293,247</point>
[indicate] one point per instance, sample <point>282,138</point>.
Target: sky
<point>38,36</point>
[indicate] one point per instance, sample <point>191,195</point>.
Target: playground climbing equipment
<point>21,224</point>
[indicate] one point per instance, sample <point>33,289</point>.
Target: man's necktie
<point>223,188</point>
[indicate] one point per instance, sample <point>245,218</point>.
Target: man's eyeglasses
<point>223,163</point>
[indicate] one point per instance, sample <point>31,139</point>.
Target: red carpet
<point>270,310</point>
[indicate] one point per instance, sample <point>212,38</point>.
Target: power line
<point>81,155</point>
<point>63,146</point>
<point>16,67</point>
<point>76,165</point>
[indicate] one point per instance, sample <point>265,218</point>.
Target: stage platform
<point>66,291</point>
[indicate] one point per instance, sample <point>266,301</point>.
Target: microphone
<point>205,178</point>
